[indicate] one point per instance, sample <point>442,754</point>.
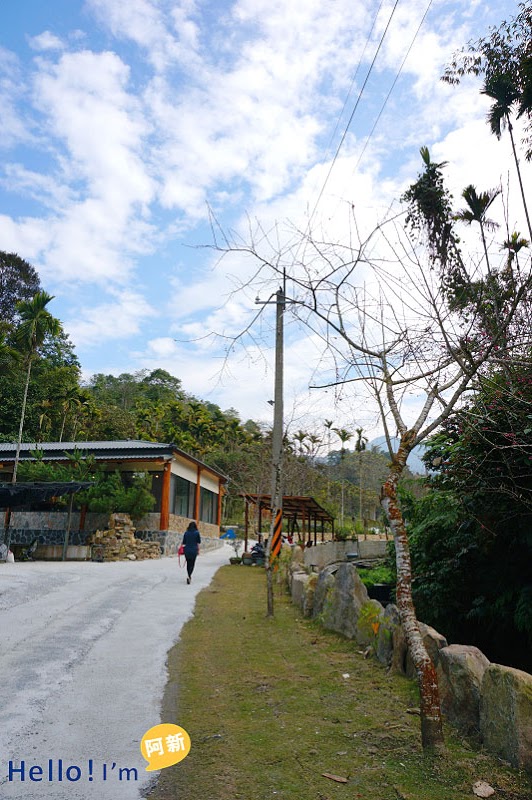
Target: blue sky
<point>123,122</point>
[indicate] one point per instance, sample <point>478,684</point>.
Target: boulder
<point>323,587</point>
<point>433,642</point>
<point>460,670</point>
<point>391,647</point>
<point>345,599</point>
<point>506,714</point>
<point>293,569</point>
<point>298,555</point>
<point>297,588</point>
<point>368,622</point>
<point>308,598</point>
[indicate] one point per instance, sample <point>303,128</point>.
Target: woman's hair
<point>192,526</point>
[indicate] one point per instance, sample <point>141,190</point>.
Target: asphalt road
<point>82,671</point>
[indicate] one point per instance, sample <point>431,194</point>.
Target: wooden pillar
<point>220,498</point>
<point>165,498</point>
<point>246,524</point>
<point>197,496</point>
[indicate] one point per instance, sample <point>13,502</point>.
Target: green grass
<point>269,710</point>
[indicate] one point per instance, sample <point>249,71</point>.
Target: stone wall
<point>489,702</point>
<point>325,553</point>
<point>49,527</point>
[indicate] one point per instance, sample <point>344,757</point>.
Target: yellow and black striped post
<point>277,535</point>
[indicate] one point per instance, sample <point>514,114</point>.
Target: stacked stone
<point>118,542</point>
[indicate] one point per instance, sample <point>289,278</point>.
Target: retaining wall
<point>49,527</point>
<point>318,556</point>
<point>490,702</point>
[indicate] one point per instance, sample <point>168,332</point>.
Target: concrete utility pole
<point>276,526</point>
<point>278,422</point>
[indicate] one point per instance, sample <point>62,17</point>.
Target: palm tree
<point>329,425</point>
<point>502,88</point>
<point>8,355</point>
<point>300,437</point>
<point>360,446</point>
<point>35,324</point>
<point>514,244</point>
<point>344,437</point>
<point>477,207</point>
<point>68,400</point>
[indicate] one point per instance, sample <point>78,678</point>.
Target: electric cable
<point>392,87</point>
<point>346,130</point>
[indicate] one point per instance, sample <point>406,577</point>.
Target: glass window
<point>209,506</point>
<point>183,497</point>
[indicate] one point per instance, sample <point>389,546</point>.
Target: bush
<point>372,575</point>
<point>110,496</point>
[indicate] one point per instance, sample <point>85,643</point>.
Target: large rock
<point>433,641</point>
<point>308,599</point>
<point>345,598</point>
<point>293,569</point>
<point>368,622</point>
<point>506,714</point>
<point>391,646</point>
<point>322,590</point>
<point>460,670</point>
<point>298,555</point>
<point>297,588</point>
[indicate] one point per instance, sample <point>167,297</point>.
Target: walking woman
<point>191,543</point>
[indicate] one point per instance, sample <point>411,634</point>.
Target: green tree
<point>360,446</point>
<point>470,535</point>
<point>109,494</point>
<point>503,59</point>
<point>35,323</point>
<point>501,88</point>
<point>478,204</point>
<point>18,281</point>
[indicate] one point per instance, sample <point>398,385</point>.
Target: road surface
<point>82,671</point>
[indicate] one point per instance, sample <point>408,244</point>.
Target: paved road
<point>82,671</point>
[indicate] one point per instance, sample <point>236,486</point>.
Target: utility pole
<point>276,525</point>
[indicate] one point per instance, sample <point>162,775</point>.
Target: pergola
<point>18,495</point>
<point>302,513</point>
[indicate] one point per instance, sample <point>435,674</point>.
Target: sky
<point>132,132</point>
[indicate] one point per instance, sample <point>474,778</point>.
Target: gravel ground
<point>83,668</point>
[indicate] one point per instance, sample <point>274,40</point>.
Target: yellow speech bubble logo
<point>164,745</point>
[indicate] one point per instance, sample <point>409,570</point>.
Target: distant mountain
<point>414,462</point>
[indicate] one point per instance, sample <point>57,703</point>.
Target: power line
<point>346,130</point>
<point>392,87</point>
<point>368,37</point>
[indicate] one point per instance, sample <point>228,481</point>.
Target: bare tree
<point>390,327</point>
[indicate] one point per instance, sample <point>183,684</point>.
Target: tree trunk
<point>21,426</point>
<point>518,168</point>
<point>431,723</point>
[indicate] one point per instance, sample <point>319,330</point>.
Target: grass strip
<point>279,709</point>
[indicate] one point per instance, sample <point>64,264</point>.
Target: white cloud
<point>46,41</point>
<point>234,105</point>
<point>147,24</point>
<point>111,321</point>
<point>16,126</point>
